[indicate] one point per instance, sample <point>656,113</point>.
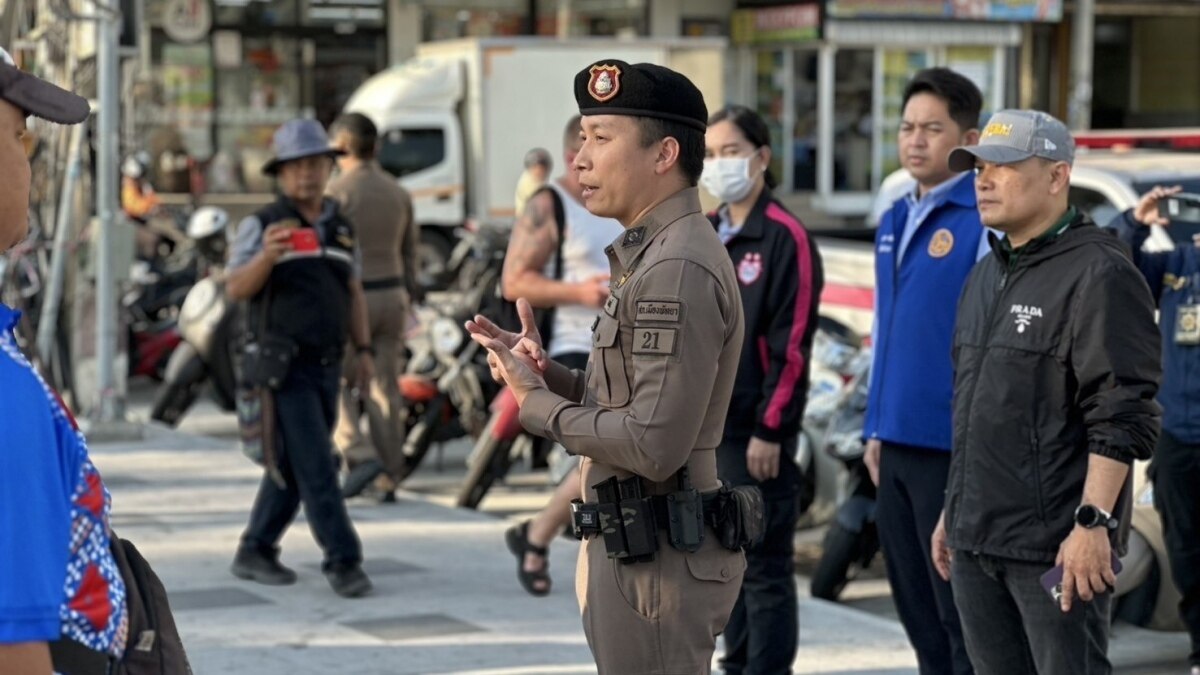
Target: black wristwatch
<point>364,349</point>
<point>1090,516</point>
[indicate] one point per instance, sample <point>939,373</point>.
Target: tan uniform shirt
<point>382,214</point>
<point>664,354</point>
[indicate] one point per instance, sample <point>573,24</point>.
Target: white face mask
<point>727,178</point>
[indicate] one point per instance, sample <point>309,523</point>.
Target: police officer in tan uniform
<point>649,411</point>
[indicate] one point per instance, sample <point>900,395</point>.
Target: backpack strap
<point>546,325</point>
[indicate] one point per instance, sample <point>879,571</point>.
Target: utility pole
<point>110,408</point>
<point>1083,24</point>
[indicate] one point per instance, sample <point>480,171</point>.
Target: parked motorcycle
<point>503,440</point>
<point>852,541</point>
<point>447,384</point>
<point>833,356</point>
<point>208,324</point>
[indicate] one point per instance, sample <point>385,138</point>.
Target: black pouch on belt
<point>266,363</point>
<point>741,518</point>
<point>685,515</point>
<point>641,528</point>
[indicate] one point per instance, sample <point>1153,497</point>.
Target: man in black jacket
<point>1057,363</point>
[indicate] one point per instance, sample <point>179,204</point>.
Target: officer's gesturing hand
<point>518,368</point>
<point>482,330</point>
<point>1086,557</point>
<point>277,240</point>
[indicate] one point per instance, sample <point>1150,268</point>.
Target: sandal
<point>517,538</point>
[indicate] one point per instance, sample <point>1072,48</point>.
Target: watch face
<point>1088,516</point>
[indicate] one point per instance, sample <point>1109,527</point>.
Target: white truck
<point>456,121</point>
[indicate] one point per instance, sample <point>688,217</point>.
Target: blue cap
<point>297,139</point>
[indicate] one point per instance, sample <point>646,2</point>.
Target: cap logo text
<point>605,82</point>
<point>997,129</point>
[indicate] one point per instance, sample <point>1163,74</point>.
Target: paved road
<point>446,599</point>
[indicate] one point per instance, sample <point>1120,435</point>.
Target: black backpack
<point>503,312</point>
<point>153,646</point>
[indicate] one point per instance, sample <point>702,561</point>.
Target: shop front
<point>215,80</point>
<point>831,83</point>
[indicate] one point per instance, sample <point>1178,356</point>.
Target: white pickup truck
<point>456,121</point>
<point>1104,184</point>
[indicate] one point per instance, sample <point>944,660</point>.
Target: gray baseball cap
<point>1016,135</point>
<point>38,97</point>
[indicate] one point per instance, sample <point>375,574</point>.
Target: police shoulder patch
<point>658,310</point>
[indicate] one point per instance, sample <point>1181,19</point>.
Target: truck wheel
<point>841,551</point>
<point>433,254</point>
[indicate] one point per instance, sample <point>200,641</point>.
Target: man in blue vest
<point>1174,279</point>
<point>297,264</point>
<point>926,245</point>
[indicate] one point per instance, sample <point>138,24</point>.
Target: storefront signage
<point>187,20</point>
<point>977,10</point>
<point>788,23</point>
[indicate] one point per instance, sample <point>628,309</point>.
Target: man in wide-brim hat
<point>298,266</point>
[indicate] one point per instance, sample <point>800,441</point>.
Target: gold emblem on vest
<point>941,244</point>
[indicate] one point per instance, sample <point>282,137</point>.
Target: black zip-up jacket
<point>1056,356</point>
<point>780,278</point>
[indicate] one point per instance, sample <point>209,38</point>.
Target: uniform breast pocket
<point>609,379</point>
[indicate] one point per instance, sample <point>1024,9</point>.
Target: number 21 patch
<point>654,341</point>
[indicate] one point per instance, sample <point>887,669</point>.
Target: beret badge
<point>605,82</point>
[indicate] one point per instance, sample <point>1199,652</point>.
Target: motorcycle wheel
<point>492,459</point>
<point>184,377</point>
<point>842,548</point>
<point>419,438</point>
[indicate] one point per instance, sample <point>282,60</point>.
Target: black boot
<point>348,581</point>
<point>256,566</point>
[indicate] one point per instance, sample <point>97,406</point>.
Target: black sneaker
<point>255,566</point>
<point>348,581</point>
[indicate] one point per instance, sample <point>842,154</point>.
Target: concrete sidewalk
<point>446,598</point>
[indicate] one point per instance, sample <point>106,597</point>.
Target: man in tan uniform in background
<point>664,353</point>
<point>382,214</point>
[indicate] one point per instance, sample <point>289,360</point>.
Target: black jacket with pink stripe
<point>780,277</point>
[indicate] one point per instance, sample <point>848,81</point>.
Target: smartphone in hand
<point>1182,207</point>
<point>1053,578</point>
<point>304,240</point>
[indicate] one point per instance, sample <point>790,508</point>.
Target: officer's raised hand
<point>483,327</point>
<point>518,368</point>
<point>277,240</point>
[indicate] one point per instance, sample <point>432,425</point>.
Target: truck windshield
<point>406,151</point>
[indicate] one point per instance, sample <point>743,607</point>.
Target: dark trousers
<point>762,632</point>
<point>912,484</point>
<point>1176,477</point>
<point>305,414</point>
<point>1014,627</point>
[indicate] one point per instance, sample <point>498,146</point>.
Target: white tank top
<point>584,240</point>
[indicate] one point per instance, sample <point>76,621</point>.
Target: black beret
<point>643,90</point>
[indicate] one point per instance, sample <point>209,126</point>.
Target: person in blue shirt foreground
<point>59,578</point>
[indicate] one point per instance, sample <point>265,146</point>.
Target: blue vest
<point>1180,390</point>
<point>912,378</point>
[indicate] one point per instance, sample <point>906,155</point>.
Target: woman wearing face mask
<point>780,278</point>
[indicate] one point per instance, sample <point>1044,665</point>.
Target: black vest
<point>308,293</point>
